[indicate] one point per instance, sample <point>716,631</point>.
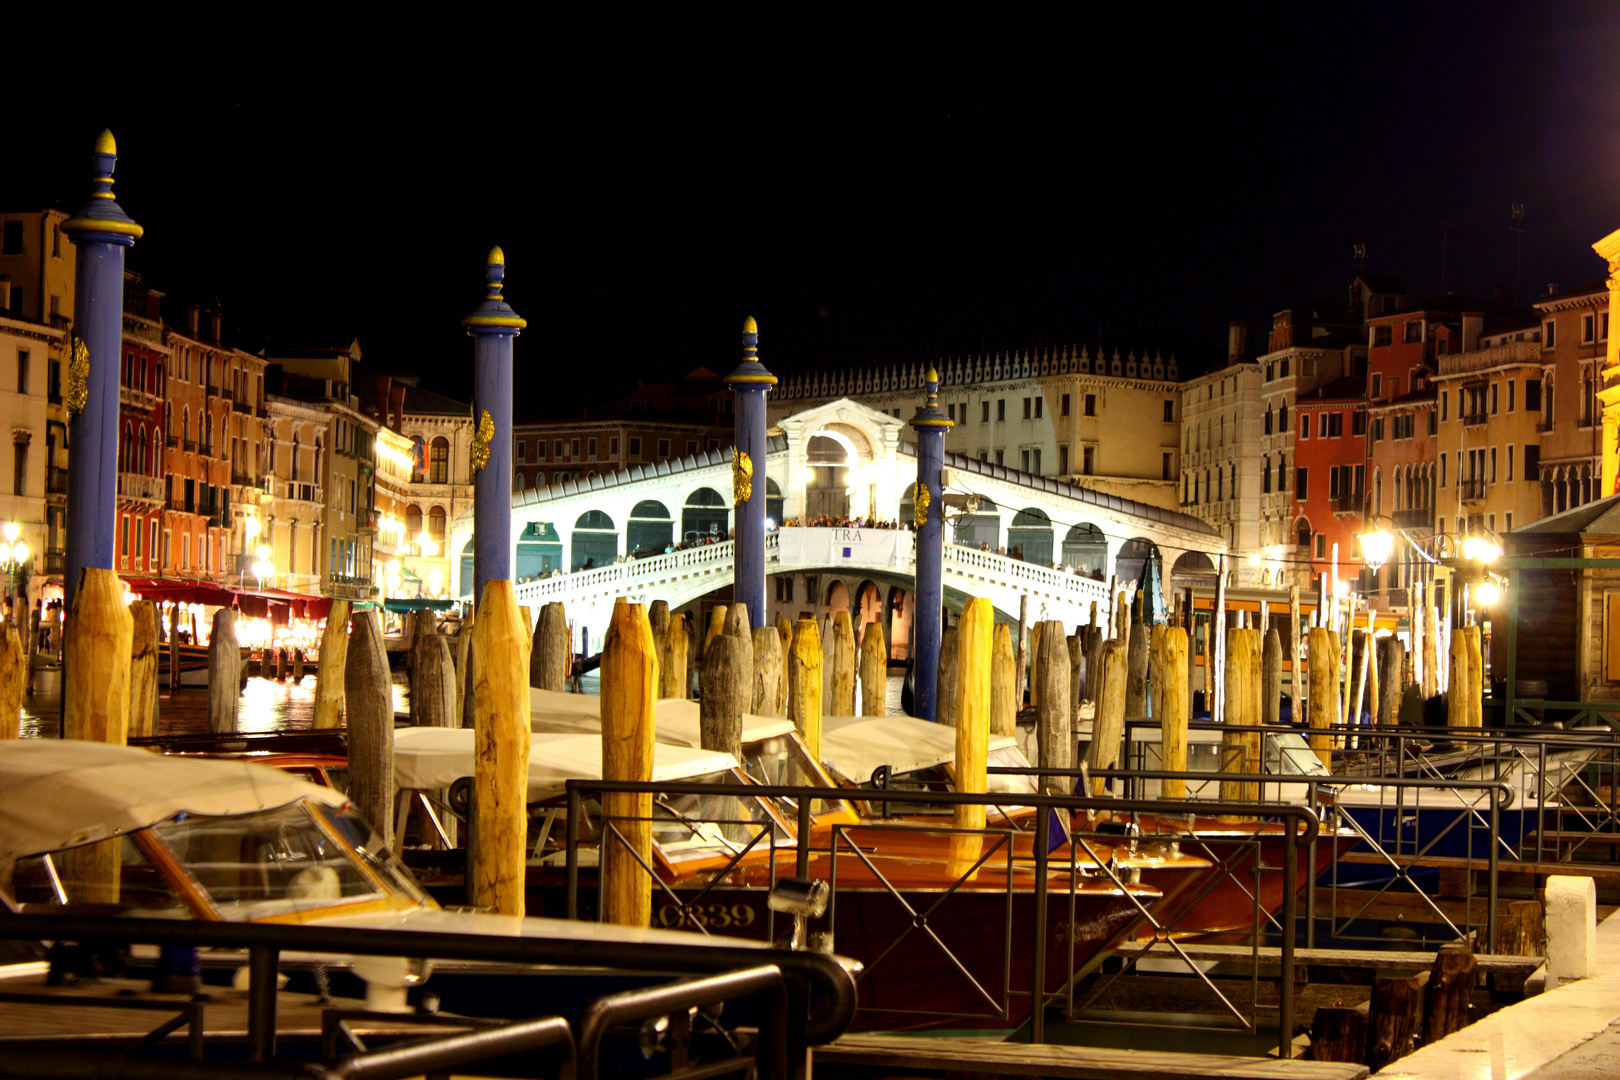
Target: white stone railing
<point>1509,352</point>
<point>1023,576</point>
<point>625,577</point>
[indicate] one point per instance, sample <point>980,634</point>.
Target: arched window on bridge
<point>704,515</point>
<point>539,550</point>
<point>1132,557</point>
<point>467,582</point>
<point>594,540</point>
<point>1031,535</point>
<point>980,528</point>
<point>1193,563</point>
<point>908,507</point>
<point>651,530</point>
<point>773,500</point>
<point>1086,549</point>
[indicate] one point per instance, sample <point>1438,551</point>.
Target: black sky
<point>936,187</point>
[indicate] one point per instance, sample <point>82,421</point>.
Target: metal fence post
<point>263,962</point>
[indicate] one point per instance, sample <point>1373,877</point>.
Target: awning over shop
<point>276,605</point>
<point>400,603</point>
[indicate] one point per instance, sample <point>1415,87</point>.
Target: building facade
<point>440,431</point>
<point>148,500</point>
<point>24,343</point>
<point>1574,341</point>
<point>1222,471</point>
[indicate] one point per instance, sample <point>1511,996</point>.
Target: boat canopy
<point>427,758</point>
<point>856,746</point>
<point>61,793</point>
<point>676,719</point>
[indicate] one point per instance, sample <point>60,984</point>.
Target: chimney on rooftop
<point>219,324</point>
<point>1237,341</point>
<point>1552,288</point>
<point>193,312</point>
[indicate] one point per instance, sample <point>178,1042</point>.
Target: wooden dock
<point>861,1056</point>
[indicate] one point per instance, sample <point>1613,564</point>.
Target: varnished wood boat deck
<point>982,1059</point>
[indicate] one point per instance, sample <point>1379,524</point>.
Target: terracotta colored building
<point>142,453</point>
<point>1330,466</point>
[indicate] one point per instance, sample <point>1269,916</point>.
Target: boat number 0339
<point>718,916</point>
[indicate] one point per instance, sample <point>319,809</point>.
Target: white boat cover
<point>59,793</point>
<point>427,758</point>
<point>552,711</point>
<point>855,746</point>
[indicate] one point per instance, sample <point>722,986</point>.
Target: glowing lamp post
<point>14,556</point>
<point>1375,548</point>
<point>264,568</point>
<point>426,545</point>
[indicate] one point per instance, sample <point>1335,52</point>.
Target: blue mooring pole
<point>931,424</point>
<point>101,231</point>
<point>493,325</point>
<point>750,383</point>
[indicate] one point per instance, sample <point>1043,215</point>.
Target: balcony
<point>1545,427</point>
<point>1471,489</point>
<point>242,406</point>
<point>301,492</point>
<point>1414,519</point>
<point>173,442</point>
<point>1354,502</point>
<point>56,480</point>
<point>136,398</point>
<point>1473,419</point>
<point>139,489</point>
<point>1509,352</point>
<point>242,479</point>
<point>54,561</point>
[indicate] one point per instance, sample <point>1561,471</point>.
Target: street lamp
<point>13,556</point>
<point>264,568</point>
<point>1487,594</point>
<point>427,545</point>
<point>1375,548</point>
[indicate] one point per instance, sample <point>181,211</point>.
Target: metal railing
<point>1471,489</point>
<point>1298,825</point>
<point>729,973</point>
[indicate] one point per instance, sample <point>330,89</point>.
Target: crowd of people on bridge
<point>828,521</point>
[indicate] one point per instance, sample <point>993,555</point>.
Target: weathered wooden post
<point>548,664</point>
<point>874,671</point>
<point>464,677</point>
<point>1296,670</point>
<point>433,685</point>
<point>13,676</point>
<point>1003,673</point>
<point>143,669</point>
<point>499,817</point>
<point>281,663</point>
<point>1022,647</point>
<point>369,700</point>
<point>1458,714</point>
<point>1034,682</point>
<point>672,680</point>
<point>1136,658</point>
<point>224,686</point>
<point>1271,679</point>
<point>945,679</point>
<point>1240,750</point>
<point>1361,648</point>
<point>1391,662</point>
<point>749,383</point>
<point>334,661</point>
<point>1055,719</point>
<point>1176,713</point>
<point>726,689</point>
<point>806,682</point>
<point>766,699</point>
<point>1096,637</point>
<point>1216,660</point>
<point>1476,677</point>
<point>931,424</point>
<point>33,648</point>
<point>717,625</point>
<point>1155,668</point>
<point>96,656</point>
<point>843,666</point>
<point>1323,700</point>
<point>739,627</point>
<point>975,635</point>
<point>1077,669</point>
<point>1108,723</point>
<point>658,620</point>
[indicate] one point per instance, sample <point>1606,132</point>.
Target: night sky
<point>869,191</point>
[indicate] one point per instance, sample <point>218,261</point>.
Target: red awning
<point>276,605</point>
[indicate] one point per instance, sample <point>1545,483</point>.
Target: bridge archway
<point>539,550</point>
<point>980,528</point>
<point>1085,549</point>
<point>908,505</point>
<point>837,597</point>
<point>774,502</point>
<point>898,623</point>
<point>868,607</point>
<point>1030,536</point>
<point>705,515</point>
<point>830,463</point>
<point>594,541</point>
<point>1133,555</point>
<point>651,530</point>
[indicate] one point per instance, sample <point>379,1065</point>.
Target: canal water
<point>267,705</point>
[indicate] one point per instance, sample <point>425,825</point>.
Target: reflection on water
<point>267,705</point>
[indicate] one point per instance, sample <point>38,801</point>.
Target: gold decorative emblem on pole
<point>742,476</point>
<point>920,514</point>
<point>481,440</point>
<point>78,380</point>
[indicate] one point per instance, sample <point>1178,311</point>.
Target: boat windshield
<point>113,877</point>
<point>274,862</point>
<point>687,827</point>
<point>1288,754</point>
<point>782,761</point>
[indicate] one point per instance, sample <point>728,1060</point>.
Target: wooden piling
<point>143,669</point>
<point>1176,712</point>
<point>629,687</point>
<point>1360,664</point>
<point>1451,987</point>
<point>334,661</point>
<point>1095,640</point>
<point>1296,670</point>
<point>1323,700</point>
<point>805,664</point>
<point>1216,661</point>
<point>1271,679</point>
<point>13,677</point>
<point>1240,750</point>
<point>1077,670</point>
<point>1391,662</point>
<point>726,689</point>
<point>1034,659</point>
<point>1003,672</point>
<point>1136,679</point>
<point>1458,714</point>
<point>433,685</point>
<point>976,634</point>
<point>946,695</point>
<point>1108,723</point>
<point>738,626</point>
<point>1021,647</point>
<point>33,648</point>
<point>717,623</point>
<point>224,686</point>
<point>1476,677</point>
<point>1155,677</point>
<point>174,651</point>
<point>874,671</point>
<point>672,676</point>
<point>1054,717</point>
<point>766,699</point>
<point>658,621</point>
<point>548,661</point>
<point>96,654</point>
<point>843,666</point>
<point>464,671</point>
<point>1431,649</point>
<point>1393,1015</point>
<point>281,664</point>
<point>369,700</point>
